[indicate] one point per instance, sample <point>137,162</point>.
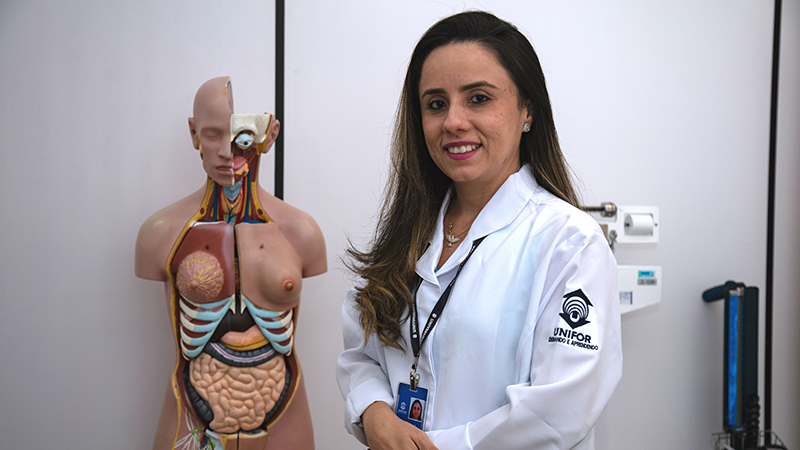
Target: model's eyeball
<point>244,141</point>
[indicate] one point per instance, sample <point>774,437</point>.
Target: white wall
<point>656,103</point>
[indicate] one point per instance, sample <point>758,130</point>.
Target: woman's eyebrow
<point>466,87</point>
<point>475,85</point>
<point>434,91</point>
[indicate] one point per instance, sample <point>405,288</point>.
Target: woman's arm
<point>361,379</point>
<point>368,393</point>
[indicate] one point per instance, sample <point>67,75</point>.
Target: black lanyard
<point>418,340</point>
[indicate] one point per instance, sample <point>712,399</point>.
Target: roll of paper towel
<point>639,224</point>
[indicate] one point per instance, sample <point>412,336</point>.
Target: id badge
<point>410,405</point>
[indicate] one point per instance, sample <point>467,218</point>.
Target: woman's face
<point>416,410</point>
<point>471,115</point>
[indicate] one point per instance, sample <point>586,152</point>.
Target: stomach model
<point>237,286</point>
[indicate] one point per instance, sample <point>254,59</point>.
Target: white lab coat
<point>503,368</point>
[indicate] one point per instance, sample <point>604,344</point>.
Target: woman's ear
<point>529,109</point>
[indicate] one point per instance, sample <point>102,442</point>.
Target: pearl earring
<point>526,127</point>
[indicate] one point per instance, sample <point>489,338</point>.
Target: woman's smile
<point>460,151</point>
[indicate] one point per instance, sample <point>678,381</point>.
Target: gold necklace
<point>454,238</point>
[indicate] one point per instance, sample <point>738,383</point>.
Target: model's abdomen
<point>239,398</point>
<point>237,287</point>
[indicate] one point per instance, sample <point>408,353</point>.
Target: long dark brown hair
<point>417,187</point>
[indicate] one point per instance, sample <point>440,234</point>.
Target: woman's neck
<point>466,203</point>
<point>469,199</point>
<point>458,218</point>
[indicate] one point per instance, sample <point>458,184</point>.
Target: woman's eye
<point>436,104</point>
<point>479,98</point>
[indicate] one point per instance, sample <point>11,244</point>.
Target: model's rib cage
<point>198,322</point>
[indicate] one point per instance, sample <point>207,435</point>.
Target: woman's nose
<point>455,120</point>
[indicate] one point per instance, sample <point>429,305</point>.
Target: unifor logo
<point>575,309</point>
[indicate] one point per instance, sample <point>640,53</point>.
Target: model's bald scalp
<point>209,92</point>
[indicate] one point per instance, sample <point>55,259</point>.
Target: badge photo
<point>410,405</point>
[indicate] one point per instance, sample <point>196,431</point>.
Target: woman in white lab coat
<point>486,299</point>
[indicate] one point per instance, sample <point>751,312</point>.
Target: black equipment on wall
<point>773,126</point>
<point>740,411</point>
<point>280,20</point>
<point>740,401</point>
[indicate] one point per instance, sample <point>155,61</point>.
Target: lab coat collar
<point>504,206</point>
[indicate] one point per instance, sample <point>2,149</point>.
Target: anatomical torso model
<point>233,258</point>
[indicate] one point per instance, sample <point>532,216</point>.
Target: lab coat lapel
<point>504,206</point>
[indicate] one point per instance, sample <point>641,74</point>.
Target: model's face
<point>416,410</point>
<point>214,133</point>
<point>471,116</point>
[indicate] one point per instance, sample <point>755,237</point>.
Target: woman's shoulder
<point>550,206</point>
<point>547,209</point>
<point>563,221</point>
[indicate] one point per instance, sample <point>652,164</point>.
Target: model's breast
<point>203,265</point>
<point>270,271</point>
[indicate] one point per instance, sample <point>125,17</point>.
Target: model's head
<point>513,51</point>
<point>229,144</point>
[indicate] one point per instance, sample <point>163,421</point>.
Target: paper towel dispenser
<point>626,224</point>
<point>639,286</point>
